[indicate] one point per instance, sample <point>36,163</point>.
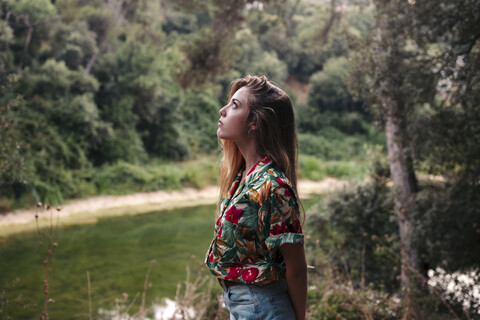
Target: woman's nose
<point>222,111</point>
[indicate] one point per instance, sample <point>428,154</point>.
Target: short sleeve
<point>284,225</point>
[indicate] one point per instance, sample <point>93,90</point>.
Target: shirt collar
<point>260,167</point>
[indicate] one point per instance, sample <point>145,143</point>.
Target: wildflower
<point>55,245</point>
<point>47,206</point>
<point>125,296</point>
<point>59,208</point>
<point>374,237</point>
<point>39,204</point>
<point>153,261</point>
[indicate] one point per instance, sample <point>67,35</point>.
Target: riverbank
<point>91,209</point>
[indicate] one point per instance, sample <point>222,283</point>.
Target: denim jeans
<point>252,302</point>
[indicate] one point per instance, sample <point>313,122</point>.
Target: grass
<point>315,169</point>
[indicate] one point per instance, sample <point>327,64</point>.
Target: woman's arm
<point>296,275</point>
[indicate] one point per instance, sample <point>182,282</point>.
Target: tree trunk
<point>95,56</point>
<point>26,19</point>
<point>405,188</point>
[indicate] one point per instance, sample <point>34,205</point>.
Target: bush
<point>332,296</point>
<point>336,137</point>
<point>124,178</point>
<point>328,88</point>
<point>356,226</point>
<point>316,169</point>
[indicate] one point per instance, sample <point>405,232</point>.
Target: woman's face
<point>233,117</point>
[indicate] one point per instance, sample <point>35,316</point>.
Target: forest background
<point>116,96</point>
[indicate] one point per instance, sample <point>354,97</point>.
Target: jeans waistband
<point>227,283</point>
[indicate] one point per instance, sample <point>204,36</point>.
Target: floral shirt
<point>255,219</point>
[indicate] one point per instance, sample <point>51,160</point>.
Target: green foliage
<point>35,9</point>
<point>358,230</point>
<point>448,228</point>
<point>74,44</point>
<point>335,136</point>
<point>123,178</point>
<point>313,168</point>
<point>199,115</point>
<point>344,302</point>
<point>11,160</point>
<point>328,88</point>
<point>254,60</point>
<point>6,56</point>
<point>311,120</point>
<point>103,84</point>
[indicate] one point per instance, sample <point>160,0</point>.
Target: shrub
<point>316,169</point>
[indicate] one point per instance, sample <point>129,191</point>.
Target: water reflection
<point>168,310</point>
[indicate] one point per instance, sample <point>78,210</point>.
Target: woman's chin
<point>220,135</point>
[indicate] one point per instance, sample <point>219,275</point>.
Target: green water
<point>116,251</point>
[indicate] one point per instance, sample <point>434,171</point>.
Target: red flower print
<point>233,215</point>
<point>250,274</point>
<point>235,271</point>
<point>266,160</point>
<point>288,191</point>
<point>210,256</point>
<point>278,229</point>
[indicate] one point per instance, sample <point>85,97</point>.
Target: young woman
<point>257,251</point>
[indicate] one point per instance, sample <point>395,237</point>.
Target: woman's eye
<point>234,105</point>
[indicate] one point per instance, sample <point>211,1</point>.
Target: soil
<point>84,210</point>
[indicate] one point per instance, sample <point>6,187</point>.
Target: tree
<point>32,14</point>
<point>253,59</point>
<point>328,88</point>
<point>402,66</point>
<point>209,52</point>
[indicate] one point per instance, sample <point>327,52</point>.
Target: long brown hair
<point>272,116</point>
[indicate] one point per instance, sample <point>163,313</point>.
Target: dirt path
<point>91,209</point>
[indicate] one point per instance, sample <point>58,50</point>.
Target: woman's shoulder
<point>276,179</point>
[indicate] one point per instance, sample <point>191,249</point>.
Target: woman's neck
<point>249,153</point>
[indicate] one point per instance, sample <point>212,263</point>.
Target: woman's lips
<point>220,123</point>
